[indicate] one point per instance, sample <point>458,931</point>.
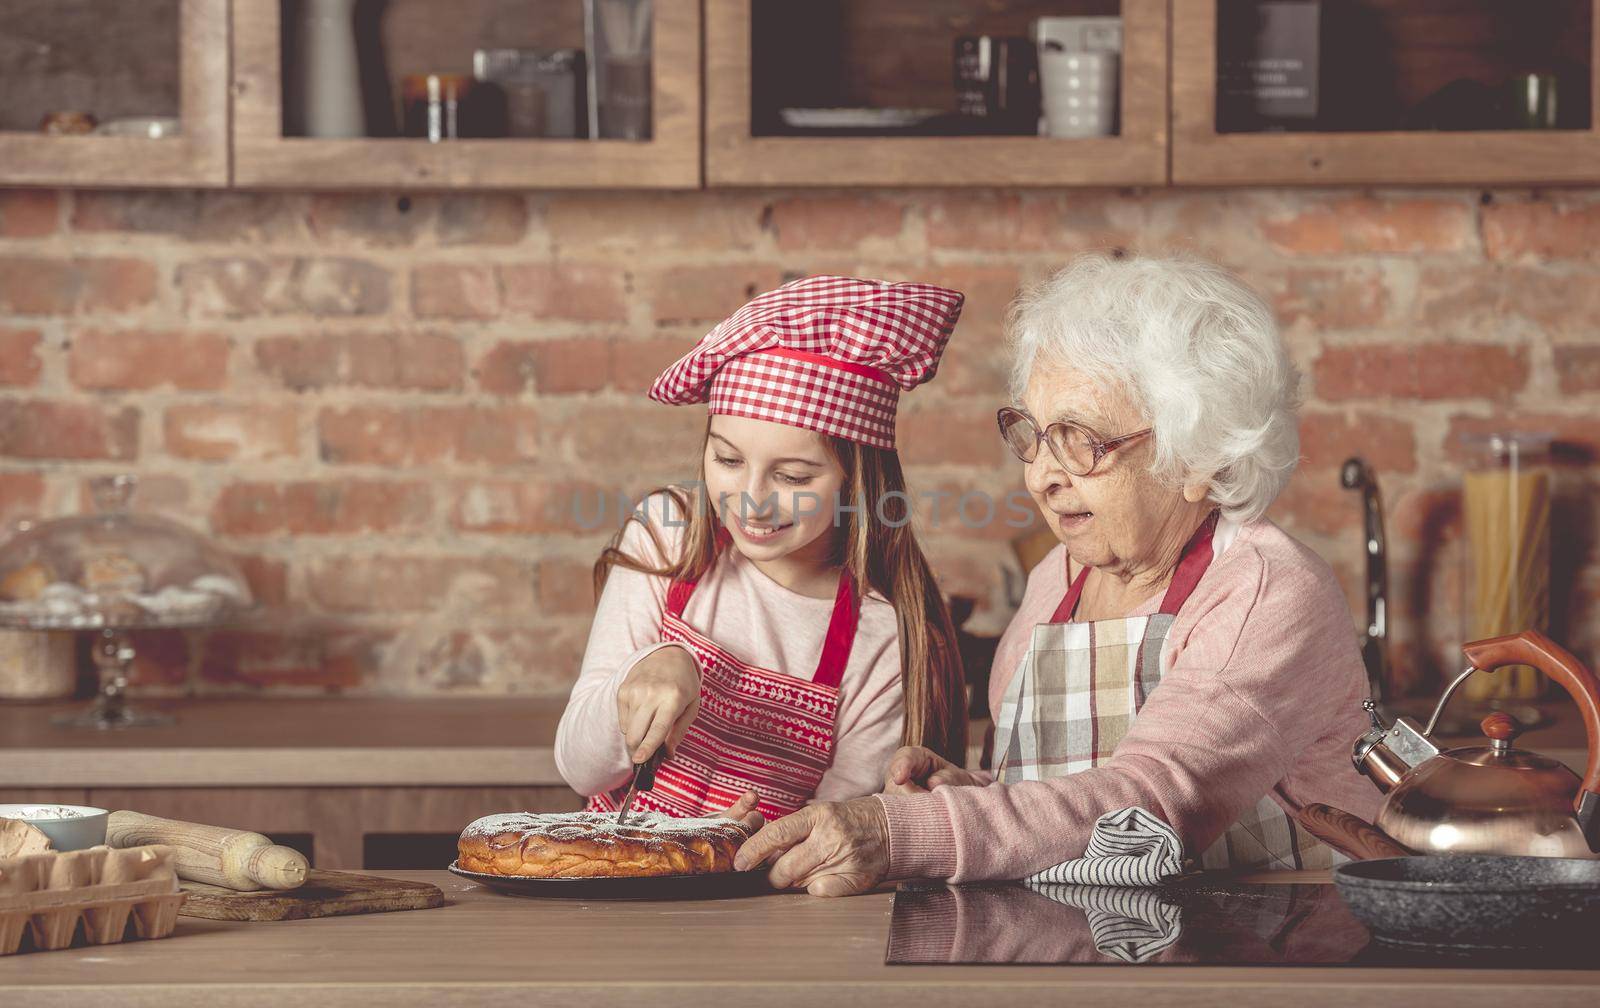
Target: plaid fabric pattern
<point>1265,837</point>
<point>1079,688</point>
<point>809,395</point>
<point>1072,700</point>
<point>824,353</point>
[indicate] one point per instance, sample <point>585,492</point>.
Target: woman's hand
<point>657,701</point>
<point>744,811</point>
<point>827,849</point>
<point>915,769</point>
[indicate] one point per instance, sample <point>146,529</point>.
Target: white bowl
<point>69,827</point>
<point>148,127</point>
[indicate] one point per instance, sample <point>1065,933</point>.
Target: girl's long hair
<point>876,545</point>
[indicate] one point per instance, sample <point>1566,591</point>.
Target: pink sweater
<point>1261,692</point>
<point>754,618</point>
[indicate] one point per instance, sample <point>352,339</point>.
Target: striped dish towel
<point>1129,847</point>
<point>1133,925</point>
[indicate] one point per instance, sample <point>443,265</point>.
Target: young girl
<point>777,628</point>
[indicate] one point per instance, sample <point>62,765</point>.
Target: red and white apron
<point>757,729</point>
<point>1080,686</point>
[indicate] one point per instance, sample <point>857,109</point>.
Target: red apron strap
<point>1069,601</point>
<point>1191,567</point>
<point>841,635</point>
<point>678,596</point>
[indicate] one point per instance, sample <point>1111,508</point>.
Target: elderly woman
<point>1177,652</point>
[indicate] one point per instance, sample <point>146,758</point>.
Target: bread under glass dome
<point>114,571</point>
<point>115,568</point>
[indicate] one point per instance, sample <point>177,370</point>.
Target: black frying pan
<point>1474,900</point>
<point>1488,901</point>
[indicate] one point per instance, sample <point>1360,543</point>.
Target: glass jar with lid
<point>1505,511</point>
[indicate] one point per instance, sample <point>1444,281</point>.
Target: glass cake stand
<point>113,572</point>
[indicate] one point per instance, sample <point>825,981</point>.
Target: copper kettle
<point>1492,799</point>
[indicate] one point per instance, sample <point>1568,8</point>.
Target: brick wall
<point>385,405</point>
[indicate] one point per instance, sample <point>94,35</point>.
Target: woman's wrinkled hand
<point>658,701</point>
<point>827,849</point>
<point>915,769</point>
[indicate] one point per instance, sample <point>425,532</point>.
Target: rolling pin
<point>234,859</point>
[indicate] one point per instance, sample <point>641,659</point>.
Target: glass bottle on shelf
<point>618,37</point>
<point>1505,508</point>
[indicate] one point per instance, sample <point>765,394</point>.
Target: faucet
<point>1355,474</point>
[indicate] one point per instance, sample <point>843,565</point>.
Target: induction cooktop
<point>1190,922</point>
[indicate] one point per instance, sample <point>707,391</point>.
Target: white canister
<point>1079,93</point>
<point>36,665</point>
<point>331,88</point>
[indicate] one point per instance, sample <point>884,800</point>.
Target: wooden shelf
<point>1202,156</point>
<point>265,158</point>
<point>197,158</point>
<point>734,157</point>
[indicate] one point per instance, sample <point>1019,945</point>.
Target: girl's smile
<point>762,531</point>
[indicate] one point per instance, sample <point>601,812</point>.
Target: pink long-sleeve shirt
<point>751,616</point>
<point>1261,693</point>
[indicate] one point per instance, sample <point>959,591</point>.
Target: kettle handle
<point>1530,647</point>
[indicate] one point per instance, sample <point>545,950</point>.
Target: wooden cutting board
<point>325,894</point>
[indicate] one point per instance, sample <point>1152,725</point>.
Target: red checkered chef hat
<point>825,353</point>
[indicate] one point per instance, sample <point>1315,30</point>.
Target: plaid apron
<point>1078,689</point>
<point>757,729</point>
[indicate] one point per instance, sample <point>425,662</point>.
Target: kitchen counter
<point>488,949</point>
<point>314,742</point>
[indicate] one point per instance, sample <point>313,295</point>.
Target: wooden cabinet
<point>737,157</point>
<point>1436,37</point>
<point>265,157</point>
<point>228,90</point>
<point>53,63</point>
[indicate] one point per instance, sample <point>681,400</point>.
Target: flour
<point>48,812</point>
<point>601,827</point>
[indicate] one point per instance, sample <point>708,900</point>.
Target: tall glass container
<point>1506,496</point>
<point>618,36</point>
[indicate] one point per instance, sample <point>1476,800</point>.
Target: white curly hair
<point>1197,350</point>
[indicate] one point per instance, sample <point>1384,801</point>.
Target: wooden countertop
<point>487,949</point>
<point>312,742</point>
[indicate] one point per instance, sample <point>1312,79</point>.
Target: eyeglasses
<point>1078,449</point>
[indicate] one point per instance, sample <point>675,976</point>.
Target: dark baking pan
<point>716,885</point>
<point>1474,901</point>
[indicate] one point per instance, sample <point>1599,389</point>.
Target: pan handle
<point>1348,834</point>
<point>1530,647</point>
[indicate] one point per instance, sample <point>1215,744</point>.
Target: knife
<point>644,778</point>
